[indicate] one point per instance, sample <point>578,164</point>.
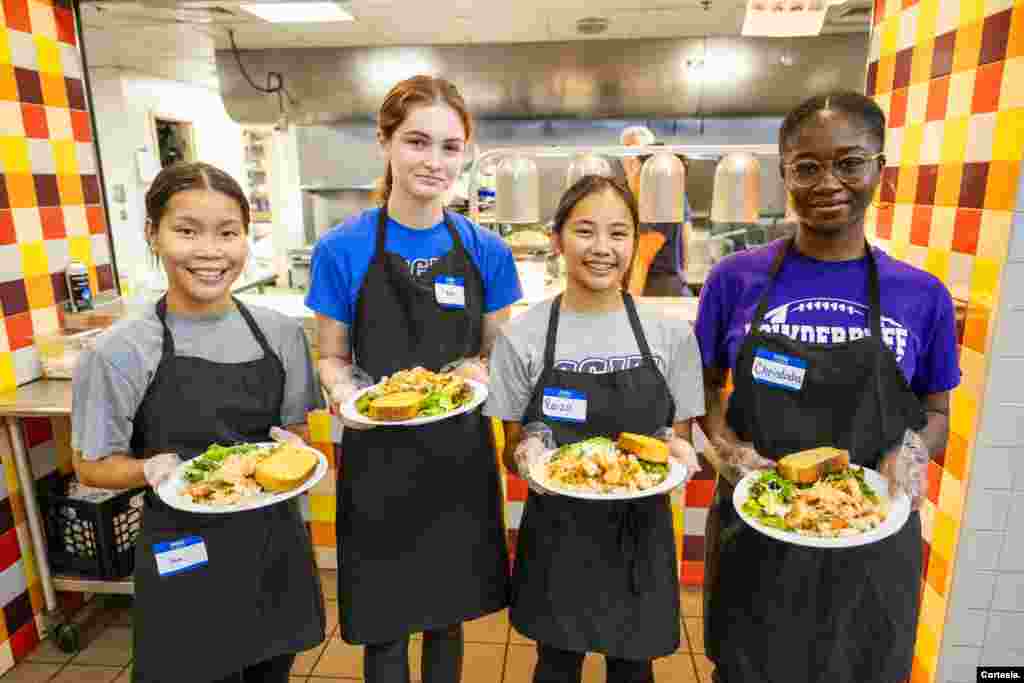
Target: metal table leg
<point>35,527</point>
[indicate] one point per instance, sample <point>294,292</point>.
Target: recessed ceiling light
<point>298,12</point>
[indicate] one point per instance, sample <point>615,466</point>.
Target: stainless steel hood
<point>675,78</point>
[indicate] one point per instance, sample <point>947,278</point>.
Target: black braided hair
<point>851,103</point>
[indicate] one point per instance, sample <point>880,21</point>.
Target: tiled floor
<point>495,653</point>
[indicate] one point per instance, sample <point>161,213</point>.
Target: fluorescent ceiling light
<point>298,12</point>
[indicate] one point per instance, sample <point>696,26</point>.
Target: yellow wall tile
<point>947,187</point>
<point>1009,136</point>
<point>33,259</point>
<point>921,67</point>
<point>967,49</point>
<point>70,187</point>
<point>994,236</point>
<point>926,650</point>
<point>1001,185</point>
<point>319,425</point>
<point>985,280</point>
<point>945,535</point>
<point>954,142</point>
<point>8,86</point>
<point>7,380</point>
<point>963,412</point>
<point>971,11</point>
<point>973,367</point>
<point>906,186</point>
<point>961,93</point>
<point>886,71</point>
<point>898,250</point>
<point>927,12</point>
<point>951,497</point>
<point>917,103</point>
<point>55,93</point>
<point>48,54</point>
<point>14,155</point>
<point>913,137</point>
<point>933,608</point>
<point>322,509</point>
<point>937,263</point>
<point>81,248</point>
<point>5,48</point>
<point>890,30</point>
<point>65,156</point>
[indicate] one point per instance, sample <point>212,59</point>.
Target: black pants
<point>442,658</point>
<point>562,666</point>
<point>665,284</point>
<point>274,670</point>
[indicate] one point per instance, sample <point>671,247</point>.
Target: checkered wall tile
<point>50,202</point>
<point>949,75</point>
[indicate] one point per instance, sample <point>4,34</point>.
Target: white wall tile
<point>1005,632</point>
<point>1012,557</point>
<point>959,664</point>
<point>979,550</point>
<point>1017,465</point>
<point>972,590</point>
<point>987,510</point>
<point>966,628</point>
<point>1009,339</point>
<point>1002,424</point>
<point>1004,382</point>
<point>992,468</point>
<point>1002,656</point>
<point>1017,236</point>
<point>1009,595</point>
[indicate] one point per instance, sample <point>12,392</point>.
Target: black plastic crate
<point>92,539</point>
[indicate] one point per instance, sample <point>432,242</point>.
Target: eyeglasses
<point>853,168</point>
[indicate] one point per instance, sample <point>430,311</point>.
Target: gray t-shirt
<point>111,380</point>
<point>589,342</point>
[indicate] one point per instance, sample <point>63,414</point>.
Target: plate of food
<point>414,397</point>
<point>634,466</point>
<point>816,498</point>
<point>227,479</point>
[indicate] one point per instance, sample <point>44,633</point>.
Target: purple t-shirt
<point>826,303</point>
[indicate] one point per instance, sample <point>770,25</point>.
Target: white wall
<point>124,103</point>
<point>985,623</point>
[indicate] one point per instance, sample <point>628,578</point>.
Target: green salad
<point>772,495</point>
<point>201,466</point>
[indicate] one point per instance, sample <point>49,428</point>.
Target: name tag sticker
<point>776,369</point>
<point>564,405</point>
<point>450,292</point>
<point>175,557</point>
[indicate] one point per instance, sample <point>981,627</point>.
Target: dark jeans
<point>274,670</point>
<point>562,666</point>
<point>442,658</point>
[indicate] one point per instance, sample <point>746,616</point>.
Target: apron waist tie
<point>630,523</point>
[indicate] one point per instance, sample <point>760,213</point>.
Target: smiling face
<point>201,240</point>
<point>597,240</point>
<point>426,152</point>
<point>831,206</point>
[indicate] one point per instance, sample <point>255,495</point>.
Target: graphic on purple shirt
<point>824,302</point>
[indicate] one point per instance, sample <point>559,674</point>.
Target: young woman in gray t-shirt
<point>595,576</point>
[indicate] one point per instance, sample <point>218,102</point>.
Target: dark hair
<point>401,99</point>
<point>196,175</point>
<point>851,103</point>
<point>594,184</point>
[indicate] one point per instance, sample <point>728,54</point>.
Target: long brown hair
<point>403,97</point>
<point>595,184</point>
<point>182,176</point>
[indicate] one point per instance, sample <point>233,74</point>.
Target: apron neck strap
<point>634,323</point>
<point>874,293</point>
<point>382,225</point>
<point>638,330</point>
<point>168,346</point>
<point>552,337</point>
<point>161,313</point>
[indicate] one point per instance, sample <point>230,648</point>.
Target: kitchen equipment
<point>518,191</point>
<point>79,291</point>
<point>299,263</point>
<point>662,183</point>
<point>737,190</point>
<point>586,164</point>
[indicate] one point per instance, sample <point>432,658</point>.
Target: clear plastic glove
<point>280,435</point>
<point>469,368</point>
<point>906,467</point>
<point>681,450</point>
<point>159,467</point>
<point>537,439</point>
<point>350,381</point>
<point>739,459</point>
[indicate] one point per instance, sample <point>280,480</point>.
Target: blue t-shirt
<point>826,303</point>
<point>342,257</point>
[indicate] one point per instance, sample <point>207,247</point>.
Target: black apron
<point>595,576</point>
<point>779,613</point>
<point>259,595</point>
<point>421,540</point>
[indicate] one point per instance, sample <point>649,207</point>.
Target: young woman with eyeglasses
<point>877,339</point>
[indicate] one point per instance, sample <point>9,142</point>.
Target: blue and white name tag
<point>180,556</point>
<point>776,369</point>
<point>450,292</point>
<point>564,405</point>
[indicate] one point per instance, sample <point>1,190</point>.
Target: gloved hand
<point>905,465</point>
<point>474,368</point>
<point>537,439</point>
<point>159,467</point>
<point>284,436</point>
<point>350,381</point>
<point>679,449</point>
<point>739,459</point>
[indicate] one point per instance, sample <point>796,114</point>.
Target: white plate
<point>899,512</point>
<point>169,490</point>
<point>349,412</point>
<point>676,476</point>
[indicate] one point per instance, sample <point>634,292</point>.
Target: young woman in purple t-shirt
<point>869,345</point>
